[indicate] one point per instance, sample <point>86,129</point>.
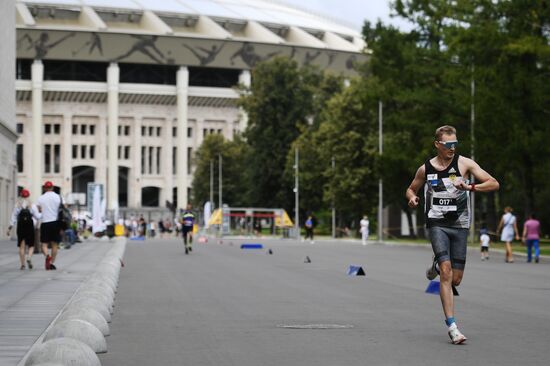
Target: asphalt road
<point>223,306</point>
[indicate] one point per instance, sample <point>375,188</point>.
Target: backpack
<point>64,216</point>
<point>24,219</point>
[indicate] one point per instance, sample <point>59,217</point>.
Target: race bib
<point>444,204</point>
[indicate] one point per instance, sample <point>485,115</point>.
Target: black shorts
<point>484,249</point>
<point>187,229</point>
<point>27,236</point>
<point>50,232</point>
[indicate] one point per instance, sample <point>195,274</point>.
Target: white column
<point>37,157</point>
<point>182,85</point>
<point>101,151</point>
<point>112,126</point>
<point>66,155</point>
<point>134,184</point>
<point>166,164</point>
<point>245,78</point>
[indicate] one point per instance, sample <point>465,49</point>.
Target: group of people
<point>45,214</point>
<point>508,229</point>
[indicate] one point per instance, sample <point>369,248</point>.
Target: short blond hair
<point>444,130</point>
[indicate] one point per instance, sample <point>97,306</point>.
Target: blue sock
<point>450,321</point>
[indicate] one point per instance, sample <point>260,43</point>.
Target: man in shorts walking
<point>187,221</point>
<point>447,209</point>
<point>50,228</point>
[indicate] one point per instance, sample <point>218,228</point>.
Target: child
<point>484,240</point>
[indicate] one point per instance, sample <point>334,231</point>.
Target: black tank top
<point>445,205</point>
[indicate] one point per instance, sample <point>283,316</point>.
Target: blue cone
<point>356,271</point>
<point>251,246</point>
<point>433,288</point>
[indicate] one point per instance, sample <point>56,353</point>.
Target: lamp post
<point>296,195</point>
<point>333,206</point>
<point>380,184</point>
<point>472,136</point>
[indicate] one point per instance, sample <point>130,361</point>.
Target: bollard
<point>105,299</point>
<point>87,314</point>
<point>81,331</point>
<point>94,304</point>
<point>66,351</point>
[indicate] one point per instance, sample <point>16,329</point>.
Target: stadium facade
<point>8,136</point>
<point>123,92</point>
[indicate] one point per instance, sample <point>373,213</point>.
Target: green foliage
<point>234,154</point>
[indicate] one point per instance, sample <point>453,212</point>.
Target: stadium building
<point>123,92</point>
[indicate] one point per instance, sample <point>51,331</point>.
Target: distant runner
<point>187,220</point>
<point>447,209</point>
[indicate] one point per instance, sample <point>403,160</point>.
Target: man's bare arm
<point>487,182</point>
<point>415,185</point>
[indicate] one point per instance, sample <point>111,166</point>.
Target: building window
<point>158,131</point>
<point>57,129</point>
<point>119,130</point>
<point>92,129</point>
<point>92,151</point>
<point>151,130</point>
<point>126,130</point>
<point>119,153</point>
<point>47,129</point>
<point>126,152</point>
<point>19,158</point>
<point>189,159</point>
<point>150,160</point>
<point>75,129</point>
<point>143,130</point>
<point>56,158</point>
<point>83,129</point>
<point>174,131</point>
<point>83,151</point>
<point>204,132</point>
<point>190,132</point>
<point>143,150</point>
<point>220,131</point>
<point>20,128</point>
<point>158,159</point>
<point>75,151</point>
<point>212,131</point>
<point>174,160</point>
<point>47,158</point>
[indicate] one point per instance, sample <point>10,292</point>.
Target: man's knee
<point>445,271</point>
<point>457,277</point>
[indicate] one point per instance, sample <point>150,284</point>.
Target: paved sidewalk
<point>31,299</point>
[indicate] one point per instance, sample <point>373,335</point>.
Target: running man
<point>447,209</point>
<point>187,220</point>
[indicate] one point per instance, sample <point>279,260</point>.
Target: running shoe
<point>48,262</point>
<point>22,268</point>
<point>432,270</point>
<point>52,267</point>
<point>29,263</point>
<point>456,336</point>
<point>186,250</point>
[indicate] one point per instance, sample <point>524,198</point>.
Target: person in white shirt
<point>484,240</point>
<point>364,229</point>
<point>508,227</point>
<point>50,228</point>
<point>25,217</point>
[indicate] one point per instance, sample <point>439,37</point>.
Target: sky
<point>354,12</point>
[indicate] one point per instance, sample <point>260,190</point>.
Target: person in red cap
<point>50,228</point>
<point>24,217</point>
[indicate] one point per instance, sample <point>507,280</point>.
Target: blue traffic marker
<point>252,246</point>
<point>356,271</point>
<point>433,288</point>
<point>137,238</point>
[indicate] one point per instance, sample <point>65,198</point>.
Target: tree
<point>234,156</point>
<point>279,103</point>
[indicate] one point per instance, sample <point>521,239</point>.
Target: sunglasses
<point>449,144</point>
